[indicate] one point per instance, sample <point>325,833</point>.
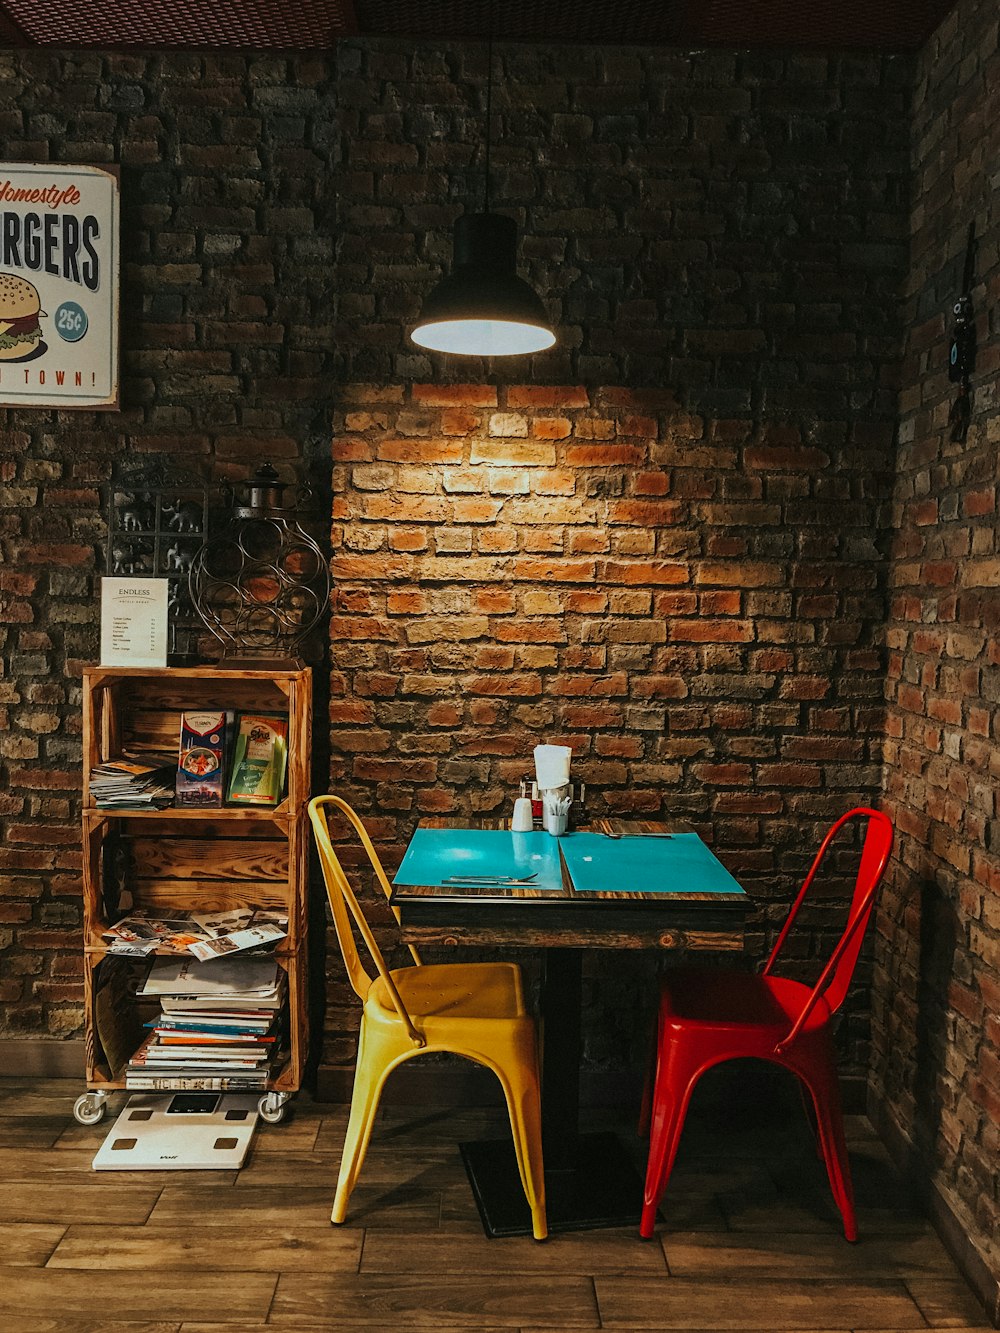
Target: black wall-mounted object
<point>962,347</point>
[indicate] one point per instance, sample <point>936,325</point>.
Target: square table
<point>612,885</point>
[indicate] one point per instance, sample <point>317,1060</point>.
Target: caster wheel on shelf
<point>89,1110</point>
<point>273,1108</point>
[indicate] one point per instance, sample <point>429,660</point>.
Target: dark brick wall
<point>723,228</point>
<point>936,1073</point>
<point>725,225</point>
<point>227,331</point>
<point>677,561</point>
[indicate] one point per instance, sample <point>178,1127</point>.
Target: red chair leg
<point>825,1093</point>
<point>807,1106</point>
<point>646,1105</point>
<point>671,1096</point>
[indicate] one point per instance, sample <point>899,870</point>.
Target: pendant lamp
<point>482,308</point>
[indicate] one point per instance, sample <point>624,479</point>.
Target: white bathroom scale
<point>180,1131</point>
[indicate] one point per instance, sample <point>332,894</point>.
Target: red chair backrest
<point>836,976</point>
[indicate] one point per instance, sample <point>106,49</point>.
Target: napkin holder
<point>577,791</point>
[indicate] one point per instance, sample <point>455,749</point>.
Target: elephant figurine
<point>126,558</point>
<point>137,515</point>
<point>185,515</point>
<point>179,558</point>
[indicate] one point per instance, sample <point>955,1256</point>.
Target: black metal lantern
<point>263,583</point>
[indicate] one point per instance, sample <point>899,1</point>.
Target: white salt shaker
<point>521,821</point>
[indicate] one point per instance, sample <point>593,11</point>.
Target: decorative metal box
<point>263,583</point>
<point>157,520</point>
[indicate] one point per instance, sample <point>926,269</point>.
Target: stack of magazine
<point>133,783</point>
<point>217,1029</point>
<point>211,935</point>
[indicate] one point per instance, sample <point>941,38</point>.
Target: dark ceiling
<point>257,25</point>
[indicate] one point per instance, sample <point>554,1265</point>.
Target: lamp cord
<point>489,108</point>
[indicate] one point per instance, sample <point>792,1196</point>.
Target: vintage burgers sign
<point>58,285</point>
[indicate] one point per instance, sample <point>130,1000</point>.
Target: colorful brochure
<point>237,941</point>
<point>201,760</point>
<point>259,760</point>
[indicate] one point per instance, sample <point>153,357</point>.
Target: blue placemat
<point>436,854</point>
<point>681,864</point>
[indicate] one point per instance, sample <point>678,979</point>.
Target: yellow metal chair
<point>475,1010</point>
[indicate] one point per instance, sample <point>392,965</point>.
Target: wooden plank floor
<point>750,1239</point>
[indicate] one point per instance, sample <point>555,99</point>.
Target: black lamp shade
<point>482,308</point>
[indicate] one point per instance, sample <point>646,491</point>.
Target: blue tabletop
<point>435,855</point>
<point>678,864</point>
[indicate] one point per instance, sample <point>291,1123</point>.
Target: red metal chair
<point>707,1017</point>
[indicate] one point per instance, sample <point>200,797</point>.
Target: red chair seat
<point>763,1008</point>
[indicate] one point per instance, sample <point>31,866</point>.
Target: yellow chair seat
<point>453,991</point>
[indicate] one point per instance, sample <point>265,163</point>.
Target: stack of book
<point>217,1025</point>
<point>219,1049</point>
<point>133,784</point>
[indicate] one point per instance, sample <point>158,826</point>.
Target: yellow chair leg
<point>368,1078</point>
<point>521,1092</point>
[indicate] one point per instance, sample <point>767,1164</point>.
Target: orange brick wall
<point>693,604</point>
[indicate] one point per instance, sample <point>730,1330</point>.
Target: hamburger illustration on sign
<point>20,311</point>
<point>59,277</point>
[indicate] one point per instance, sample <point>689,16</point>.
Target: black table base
<point>599,1188</point>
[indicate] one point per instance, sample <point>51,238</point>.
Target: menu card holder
<point>134,622</point>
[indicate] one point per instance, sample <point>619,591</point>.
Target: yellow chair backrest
<point>347,911</point>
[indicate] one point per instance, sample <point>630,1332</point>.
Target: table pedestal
<point>590,1180</point>
<point>600,1189</point>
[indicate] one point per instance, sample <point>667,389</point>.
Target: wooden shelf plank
<point>282,812</point>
